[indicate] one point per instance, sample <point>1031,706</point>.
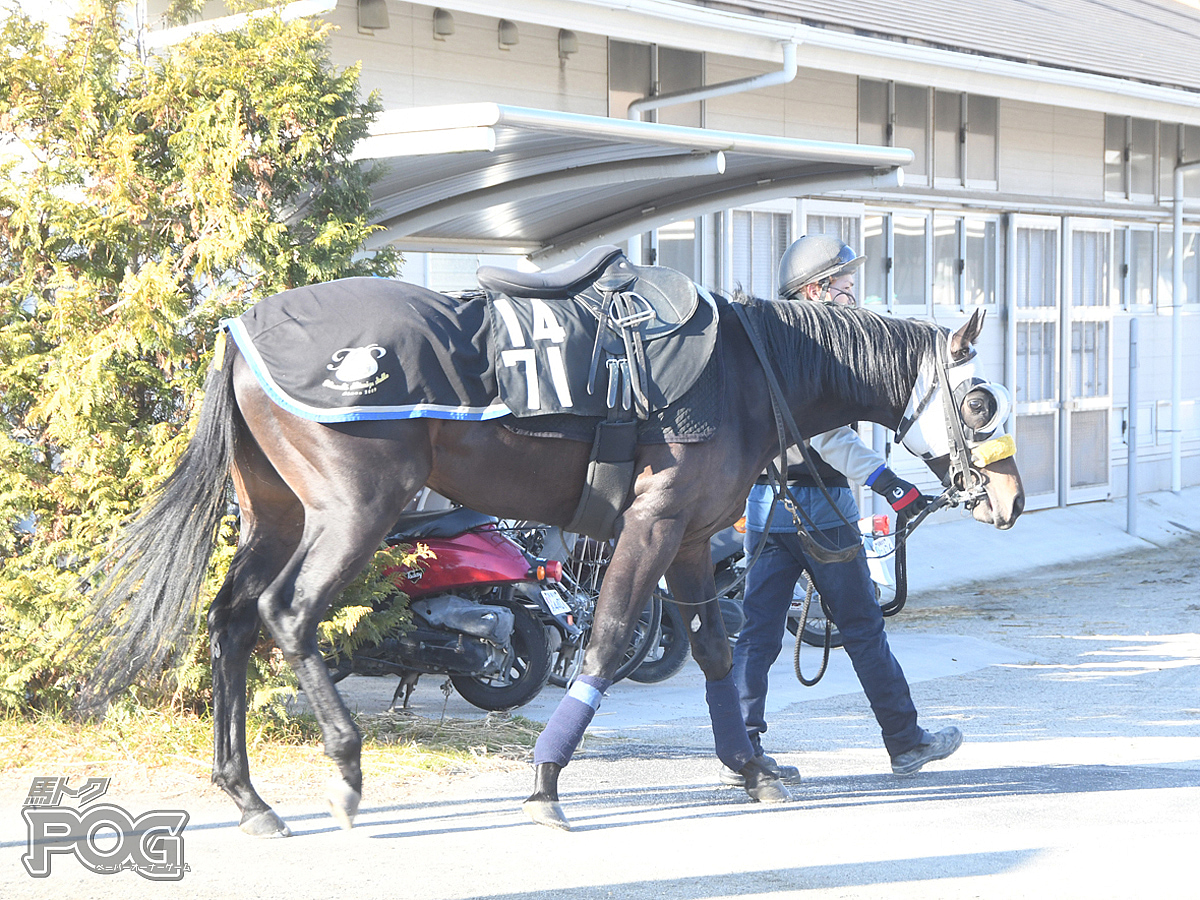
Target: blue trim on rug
<point>237,331</point>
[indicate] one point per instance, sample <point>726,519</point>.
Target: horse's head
<point>955,422</point>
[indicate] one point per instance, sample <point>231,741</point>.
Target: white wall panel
<point>1026,156</point>
<point>409,68</point>
<point>1050,151</point>
<point>817,105</point>
<point>1078,154</point>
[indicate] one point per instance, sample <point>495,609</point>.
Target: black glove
<point>903,496</point>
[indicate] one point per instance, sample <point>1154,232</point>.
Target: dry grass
<point>169,753</point>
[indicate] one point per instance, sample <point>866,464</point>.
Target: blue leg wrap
<point>729,728</point>
<point>560,737</point>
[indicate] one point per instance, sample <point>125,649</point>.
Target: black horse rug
<point>372,348</point>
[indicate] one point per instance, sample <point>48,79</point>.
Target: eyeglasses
<point>848,299</point>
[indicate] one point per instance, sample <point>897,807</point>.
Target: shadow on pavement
<point>594,810</point>
<point>844,875</point>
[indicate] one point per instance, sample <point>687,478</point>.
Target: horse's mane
<point>856,354</point>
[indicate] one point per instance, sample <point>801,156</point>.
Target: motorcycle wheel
<point>641,643</point>
<point>526,676</point>
<point>814,630</point>
<point>668,656</point>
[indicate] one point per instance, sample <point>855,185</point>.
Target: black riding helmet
<point>814,258</point>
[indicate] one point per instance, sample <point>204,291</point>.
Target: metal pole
<point>1177,327</point>
<point>1131,433</point>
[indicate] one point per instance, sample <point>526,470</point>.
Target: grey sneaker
<point>935,746</point>
<point>783,773</point>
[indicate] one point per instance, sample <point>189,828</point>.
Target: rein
<point>786,427</point>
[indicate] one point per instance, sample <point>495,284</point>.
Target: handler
<point>821,268</point>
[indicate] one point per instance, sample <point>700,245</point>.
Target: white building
<point>1044,144</point>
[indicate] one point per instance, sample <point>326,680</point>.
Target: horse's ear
<point>961,340</point>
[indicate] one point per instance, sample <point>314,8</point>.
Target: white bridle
<point>924,430</point>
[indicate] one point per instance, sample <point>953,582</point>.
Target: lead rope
<point>888,609</point>
<point>809,682</point>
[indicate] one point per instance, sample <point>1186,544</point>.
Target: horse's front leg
<point>690,579</point>
<point>643,551</point>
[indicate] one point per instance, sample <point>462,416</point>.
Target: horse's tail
<point>158,566</point>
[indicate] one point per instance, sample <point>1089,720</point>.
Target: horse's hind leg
<point>338,543</point>
<point>271,524</point>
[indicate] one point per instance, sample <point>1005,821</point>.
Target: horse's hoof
<point>343,802</point>
<point>265,824</point>
<point>762,785</point>
<point>772,791</point>
<point>546,812</point>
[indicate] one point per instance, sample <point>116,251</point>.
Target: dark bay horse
<point>316,501</point>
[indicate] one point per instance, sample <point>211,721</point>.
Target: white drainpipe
<point>1177,328</point>
<point>737,86</point>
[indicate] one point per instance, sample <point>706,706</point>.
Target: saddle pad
<point>692,419</point>
<point>371,348</point>
<point>542,355</point>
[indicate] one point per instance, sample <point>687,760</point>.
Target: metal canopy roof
<point>480,177</point>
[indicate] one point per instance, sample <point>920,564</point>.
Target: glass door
<point>1034,261</point>
<point>1087,359</point>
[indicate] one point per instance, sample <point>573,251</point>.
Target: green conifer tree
<point>143,198</point>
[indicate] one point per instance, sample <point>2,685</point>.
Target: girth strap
<point>609,477</point>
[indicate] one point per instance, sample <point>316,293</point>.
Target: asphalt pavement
<point>1074,678</point>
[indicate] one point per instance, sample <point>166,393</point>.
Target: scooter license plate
<point>554,602</point>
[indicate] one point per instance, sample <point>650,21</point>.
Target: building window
<point>1037,267</point>
<point>874,113</point>
<point>1089,268</point>
<point>921,261</point>
<point>846,228</point>
<point>1169,155</point>
<point>947,260</point>
<point>1035,362</point>
<point>1114,155</point>
<point>947,137</point>
<point>1142,154</point>
<point>952,134</point>
<point>1166,265</point>
<point>910,115</point>
<point>759,241</point>
<point>680,70</point>
<point>1133,266</point>
<point>1131,157</point>
<point>982,131</point>
<point>1177,144</point>
<point>981,261</point>
<point>640,70</point>
<point>1189,151</point>
<point>908,263</point>
<point>676,247</point>
<point>873,282</point>
<point>965,260</point>
<point>1089,359</point>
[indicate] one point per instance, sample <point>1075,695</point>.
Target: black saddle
<point>438,523</point>
<point>658,300</point>
<point>559,283</point>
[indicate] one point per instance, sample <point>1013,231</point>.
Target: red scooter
<point>485,612</point>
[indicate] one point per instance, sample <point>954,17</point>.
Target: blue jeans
<point>850,595</point>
